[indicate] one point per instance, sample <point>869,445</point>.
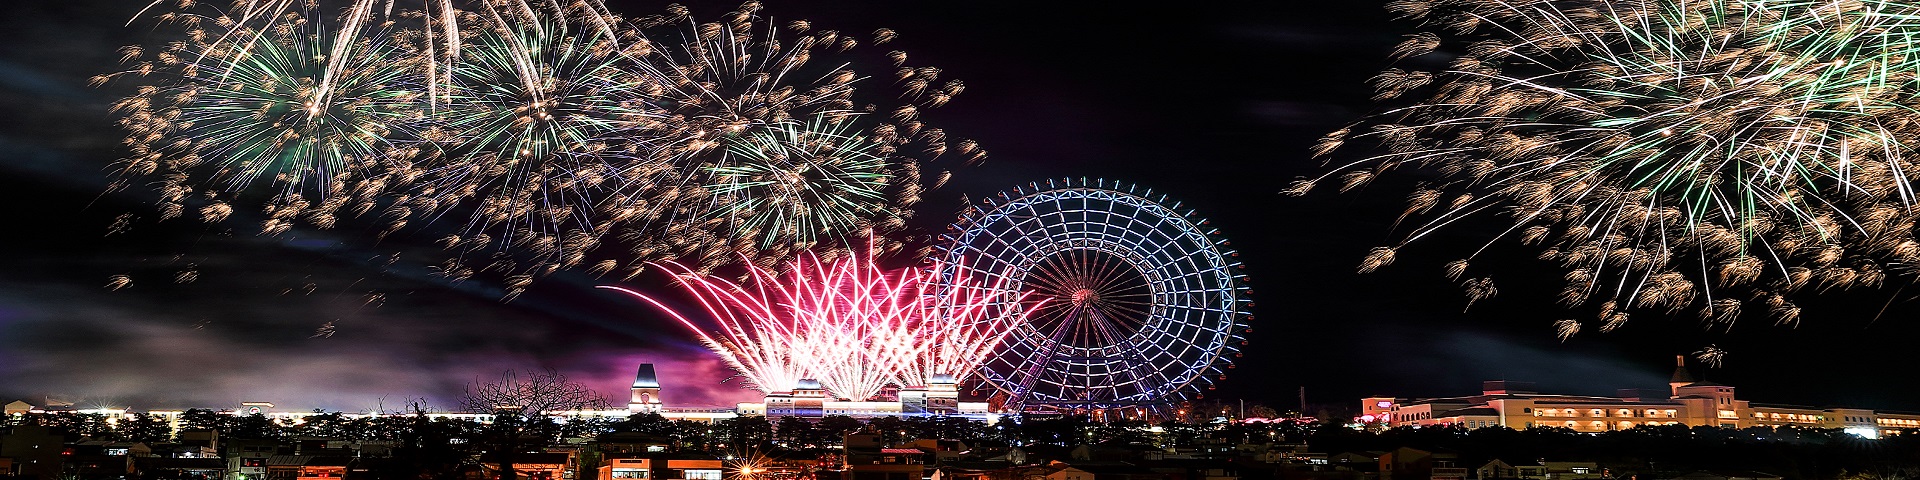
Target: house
<point>690,468</point>
<point>324,468</point>
<point>1501,469</point>
<point>168,467</point>
<point>625,468</point>
<point>1407,463</point>
<point>885,464</point>
<point>1368,461</point>
<point>531,466</point>
<point>941,451</point>
<point>99,466</point>
<point>33,451</point>
<point>102,447</point>
<point>1573,470</point>
<point>1011,455</point>
<point>277,466</point>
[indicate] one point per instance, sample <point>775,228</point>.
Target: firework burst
<point>1671,155</point>
<point>780,118</point>
<point>236,113</point>
<point>533,137</point>
<point>565,135</point>
<point>800,181</point>
<point>847,323</point>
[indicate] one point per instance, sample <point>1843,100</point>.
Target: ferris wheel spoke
<point>1128,301</point>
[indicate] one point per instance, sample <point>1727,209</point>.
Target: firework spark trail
<point>846,323</point>
<point>798,181</point>
<point>1669,154</point>
<point>561,133</point>
<point>533,135</point>
<point>256,111</point>
<point>738,85</point>
<point>566,135</point>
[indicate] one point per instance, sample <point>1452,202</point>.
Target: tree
<point>253,426</point>
<point>746,433</point>
<point>692,435</point>
<point>425,448</point>
<point>795,432</point>
<point>892,430</point>
<point>833,430</point>
<point>523,404</point>
<point>646,423</point>
<point>145,428</point>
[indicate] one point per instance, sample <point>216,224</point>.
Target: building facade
<point>941,396</point>
<point>1686,402</point>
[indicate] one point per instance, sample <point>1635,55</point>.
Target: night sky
<point>1211,103</point>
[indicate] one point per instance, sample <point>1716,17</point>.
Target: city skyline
<point>1216,105</point>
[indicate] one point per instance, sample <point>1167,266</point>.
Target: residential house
<point>1501,469</point>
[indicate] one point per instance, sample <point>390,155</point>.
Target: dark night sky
<point>1212,103</point>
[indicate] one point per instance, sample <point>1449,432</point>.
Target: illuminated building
<point>644,468</point>
<point>646,391</point>
<point>1686,402</point>
<point>941,396</point>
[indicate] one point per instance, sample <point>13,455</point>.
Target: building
<point>1687,402</point>
<point>1413,463</point>
<point>626,468</point>
<point>941,396</point>
<point>884,464</point>
<point>646,391</point>
<point>531,466</point>
<point>324,468</point>
<point>32,451</point>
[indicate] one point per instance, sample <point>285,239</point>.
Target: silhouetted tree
<point>144,428</point>
<point>833,429</point>
<point>795,432</point>
<point>426,448</point>
<point>522,404</point>
<point>646,423</point>
<point>746,433</point>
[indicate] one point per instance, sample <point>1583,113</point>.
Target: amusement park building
<point>1687,402</point>
<point>940,397</point>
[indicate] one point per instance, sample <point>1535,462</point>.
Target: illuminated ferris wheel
<point>1129,301</point>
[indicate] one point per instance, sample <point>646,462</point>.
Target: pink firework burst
<point>847,323</point>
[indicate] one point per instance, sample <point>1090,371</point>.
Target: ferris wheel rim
<point>1178,345</point>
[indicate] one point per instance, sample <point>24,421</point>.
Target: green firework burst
<point>1670,154</point>
<point>800,182</point>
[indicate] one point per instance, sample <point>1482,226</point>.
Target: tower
<point>1680,376</point>
<point>646,391</point>
<point>943,395</point>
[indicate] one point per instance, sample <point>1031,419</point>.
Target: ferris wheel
<point>1129,301</point>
